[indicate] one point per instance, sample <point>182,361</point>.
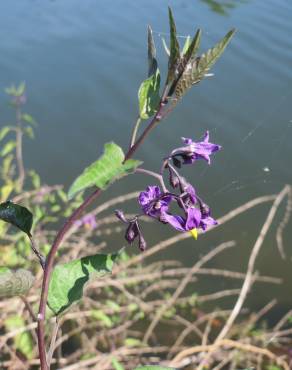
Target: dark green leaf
<point>152,62</point>
<point>16,215</point>
<point>190,52</point>
<point>197,68</point>
<point>148,95</point>
<point>68,280</point>
<point>108,168</point>
<point>14,283</point>
<point>174,56</point>
<point>193,48</point>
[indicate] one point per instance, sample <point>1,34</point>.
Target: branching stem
<point>67,226</point>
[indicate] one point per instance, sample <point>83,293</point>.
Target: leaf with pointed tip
<point>193,48</point>
<point>14,283</point>
<point>186,45</point>
<point>16,215</point>
<point>190,52</point>
<point>103,172</point>
<point>4,131</point>
<point>152,62</point>
<point>174,56</point>
<point>69,279</point>
<point>7,148</point>
<point>197,68</point>
<point>148,95</point>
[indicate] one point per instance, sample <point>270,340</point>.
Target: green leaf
<point>4,131</point>
<point>6,190</point>
<point>29,132</point>
<point>14,283</point>
<point>103,317</point>
<point>105,170</point>
<point>7,148</point>
<point>148,95</point>
<point>197,68</point>
<point>16,215</point>
<point>16,90</point>
<point>186,44</point>
<point>174,56</point>
<point>20,89</point>
<point>23,341</point>
<point>117,365</point>
<point>152,62</point>
<point>68,280</point>
<point>132,342</point>
<point>154,367</point>
<point>193,47</point>
<point>28,119</point>
<point>191,50</point>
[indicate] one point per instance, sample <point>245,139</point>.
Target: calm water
<point>83,62</point>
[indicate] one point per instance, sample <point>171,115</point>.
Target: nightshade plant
<point>63,284</point>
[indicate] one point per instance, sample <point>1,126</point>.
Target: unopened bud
<point>120,215</point>
<point>142,243</point>
<point>131,232</point>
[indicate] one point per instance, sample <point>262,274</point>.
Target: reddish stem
<point>65,228</point>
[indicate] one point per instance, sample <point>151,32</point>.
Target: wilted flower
<point>133,230</point>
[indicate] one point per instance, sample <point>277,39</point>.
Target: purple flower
<point>191,220</point>
<point>153,202</point>
<point>88,221</point>
<point>196,150</point>
<point>206,220</point>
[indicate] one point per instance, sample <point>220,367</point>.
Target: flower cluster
<point>156,201</point>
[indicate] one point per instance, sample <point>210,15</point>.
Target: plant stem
<point>66,227</point>
<point>153,174</point>
<point>41,258</point>
<point>135,131</point>
<point>19,157</point>
<point>48,271</point>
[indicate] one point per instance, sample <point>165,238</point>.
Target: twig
<point>229,344</point>
<point>183,284</point>
<point>251,263</point>
<point>283,224</point>
<point>40,257</point>
<point>53,341</point>
<point>175,239</point>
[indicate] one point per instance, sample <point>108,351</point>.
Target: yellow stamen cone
<point>194,233</point>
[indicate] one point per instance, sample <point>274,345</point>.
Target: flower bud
<point>120,215</point>
<point>132,232</point>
